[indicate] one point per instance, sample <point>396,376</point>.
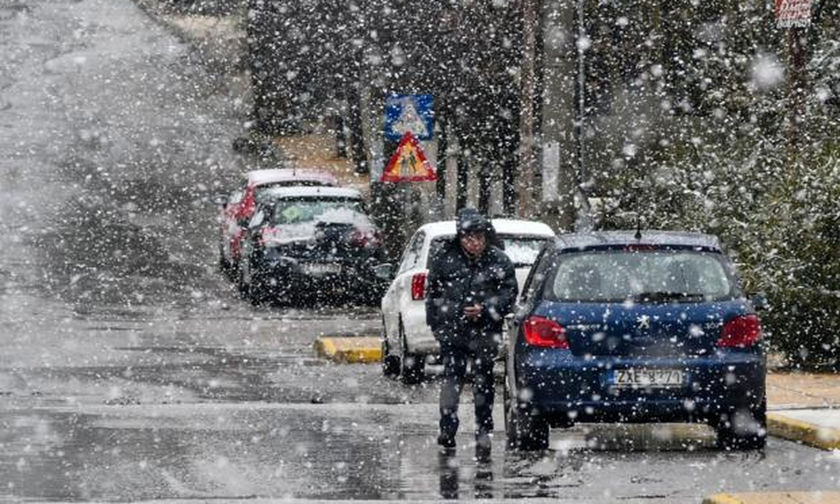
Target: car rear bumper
<point>333,276</point>
<point>576,389</point>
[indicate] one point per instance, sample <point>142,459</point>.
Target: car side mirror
<point>256,220</point>
<point>384,271</point>
<point>220,199</point>
<point>760,302</point>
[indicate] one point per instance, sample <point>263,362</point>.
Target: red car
<point>238,208</point>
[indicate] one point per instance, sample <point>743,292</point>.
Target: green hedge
<point>775,207</point>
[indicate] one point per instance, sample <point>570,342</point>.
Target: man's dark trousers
<point>455,359</point>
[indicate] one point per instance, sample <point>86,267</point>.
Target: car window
<point>436,245</point>
<point>299,210</point>
<point>522,250</point>
<point>263,192</point>
<point>537,274</point>
<point>663,275</point>
<point>412,252</point>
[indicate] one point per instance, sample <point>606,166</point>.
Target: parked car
<point>407,341</point>
<point>238,208</point>
<point>307,240</point>
<point>635,327</point>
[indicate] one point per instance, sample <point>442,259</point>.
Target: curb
<point>817,497</point>
<point>350,349</point>
<point>826,438</point>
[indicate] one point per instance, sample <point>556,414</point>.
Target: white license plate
<point>321,269</point>
<point>647,378</point>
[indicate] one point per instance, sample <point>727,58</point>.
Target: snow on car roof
<point>272,175</point>
<point>312,192</point>
<point>648,237</point>
<point>502,226</point>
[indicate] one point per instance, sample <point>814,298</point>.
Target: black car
<point>306,242</point>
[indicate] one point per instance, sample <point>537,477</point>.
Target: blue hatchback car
<point>630,326</point>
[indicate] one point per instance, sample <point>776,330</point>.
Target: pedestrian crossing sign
<point>409,112</point>
<point>409,163</point>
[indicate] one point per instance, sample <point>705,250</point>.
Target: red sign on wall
<point>793,13</point>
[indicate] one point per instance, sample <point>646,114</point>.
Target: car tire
<point>224,265</point>
<point>368,294</point>
<point>411,365</point>
<point>526,430</point>
<point>257,292</point>
<point>743,429</point>
<point>241,285</point>
<point>390,363</point>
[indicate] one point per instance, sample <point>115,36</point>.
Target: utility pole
<point>583,220</point>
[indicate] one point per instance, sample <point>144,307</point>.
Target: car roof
<point>273,175</point>
<point>593,239</point>
<point>311,192</point>
<point>502,226</point>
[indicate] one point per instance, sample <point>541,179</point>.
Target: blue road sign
<point>409,112</point>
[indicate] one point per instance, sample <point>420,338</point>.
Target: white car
<point>407,341</point>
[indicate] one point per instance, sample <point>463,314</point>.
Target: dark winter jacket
<point>456,280</point>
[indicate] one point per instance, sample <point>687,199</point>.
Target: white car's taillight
<point>418,286</point>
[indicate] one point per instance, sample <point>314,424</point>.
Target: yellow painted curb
<point>797,430</point>
<point>817,497</point>
<point>721,498</point>
<point>350,349</point>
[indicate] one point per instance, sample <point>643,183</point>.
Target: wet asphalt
<point>130,369</point>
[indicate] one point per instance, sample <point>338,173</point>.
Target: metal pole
<point>583,221</point>
<point>581,92</point>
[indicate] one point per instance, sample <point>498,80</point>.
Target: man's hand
<point>473,312</point>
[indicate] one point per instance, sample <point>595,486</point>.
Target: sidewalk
<point>804,407</point>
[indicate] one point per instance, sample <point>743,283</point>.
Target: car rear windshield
<point>298,210</point>
<point>264,192</point>
<point>642,276</point>
<point>522,250</point>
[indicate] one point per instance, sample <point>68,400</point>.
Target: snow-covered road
<point>129,368</point>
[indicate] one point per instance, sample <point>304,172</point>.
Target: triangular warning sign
<point>408,164</point>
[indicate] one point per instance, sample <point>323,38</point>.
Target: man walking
<point>471,287</point>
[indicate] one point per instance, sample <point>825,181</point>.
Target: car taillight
<point>741,332</point>
<point>418,286</point>
<point>543,332</point>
